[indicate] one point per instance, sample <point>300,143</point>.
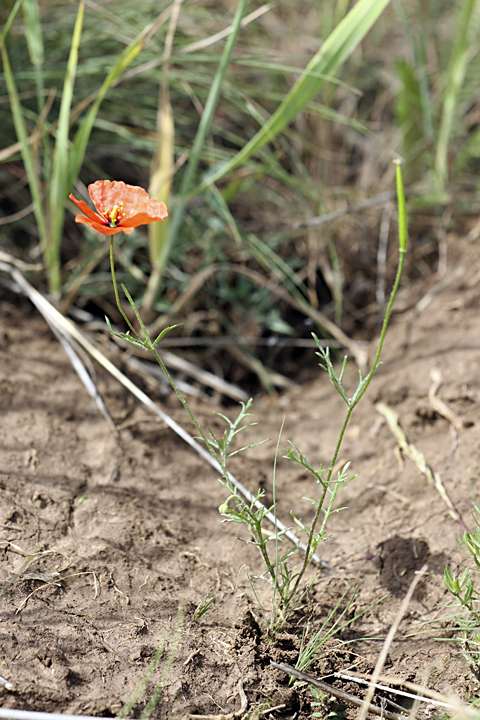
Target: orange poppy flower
<point>119,207</point>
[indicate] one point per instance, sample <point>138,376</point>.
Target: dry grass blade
<point>70,347</point>
<point>226,340</point>
<point>269,378</point>
<point>388,641</point>
<point>16,575</point>
<point>6,714</point>
<point>330,690</point>
<point>149,370</point>
<point>419,459</point>
<point>357,351</point>
<point>207,42</point>
<point>438,288</point>
<point>195,284</point>
<point>162,170</point>
<point>68,328</point>
<point>49,580</point>
<point>16,262</point>
<point>207,378</point>
<point>6,684</point>
<point>419,692</point>
<point>18,215</point>
<point>66,341</point>
<point>439,405</point>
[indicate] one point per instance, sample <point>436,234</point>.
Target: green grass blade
<point>162,171</point>
<point>402,209</point>
<point>456,73</point>
<point>428,108</point>
<point>34,36</point>
<point>212,101</point>
<point>26,151</point>
<point>418,47</point>
<point>265,256</point>
<point>10,19</point>
<point>68,161</point>
<point>408,105</point>
<point>335,50</point>
<point>33,31</point>
<point>203,128</point>
<point>58,188</point>
<point>82,136</point>
<point>139,690</point>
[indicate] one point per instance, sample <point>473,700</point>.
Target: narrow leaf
<point>335,50</point>
<point>456,73</point>
<point>80,142</point>
<point>26,150</point>
<point>58,189</point>
<point>204,126</point>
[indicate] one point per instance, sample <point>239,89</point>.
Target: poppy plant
<point>119,207</point>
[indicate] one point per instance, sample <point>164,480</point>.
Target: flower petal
<point>84,208</point>
<point>101,227</point>
<point>120,207</point>
<point>107,194</point>
<point>155,211</point>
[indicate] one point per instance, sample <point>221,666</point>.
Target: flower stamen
<point>113,216</point>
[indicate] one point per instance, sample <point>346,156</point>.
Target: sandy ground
<point>109,544</point>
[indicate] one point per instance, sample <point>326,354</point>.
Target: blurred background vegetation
<point>304,229</point>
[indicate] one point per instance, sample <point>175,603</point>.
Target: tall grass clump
<point>250,136</point>
<point>438,79</point>
<point>322,66</point>
<point>222,128</point>
<point>51,157</point>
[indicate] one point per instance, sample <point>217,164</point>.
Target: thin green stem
<point>149,345</point>
<point>274,502</point>
<point>364,383</point>
<point>311,534</point>
<point>263,548</point>
<point>358,396</point>
<point>115,289</point>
